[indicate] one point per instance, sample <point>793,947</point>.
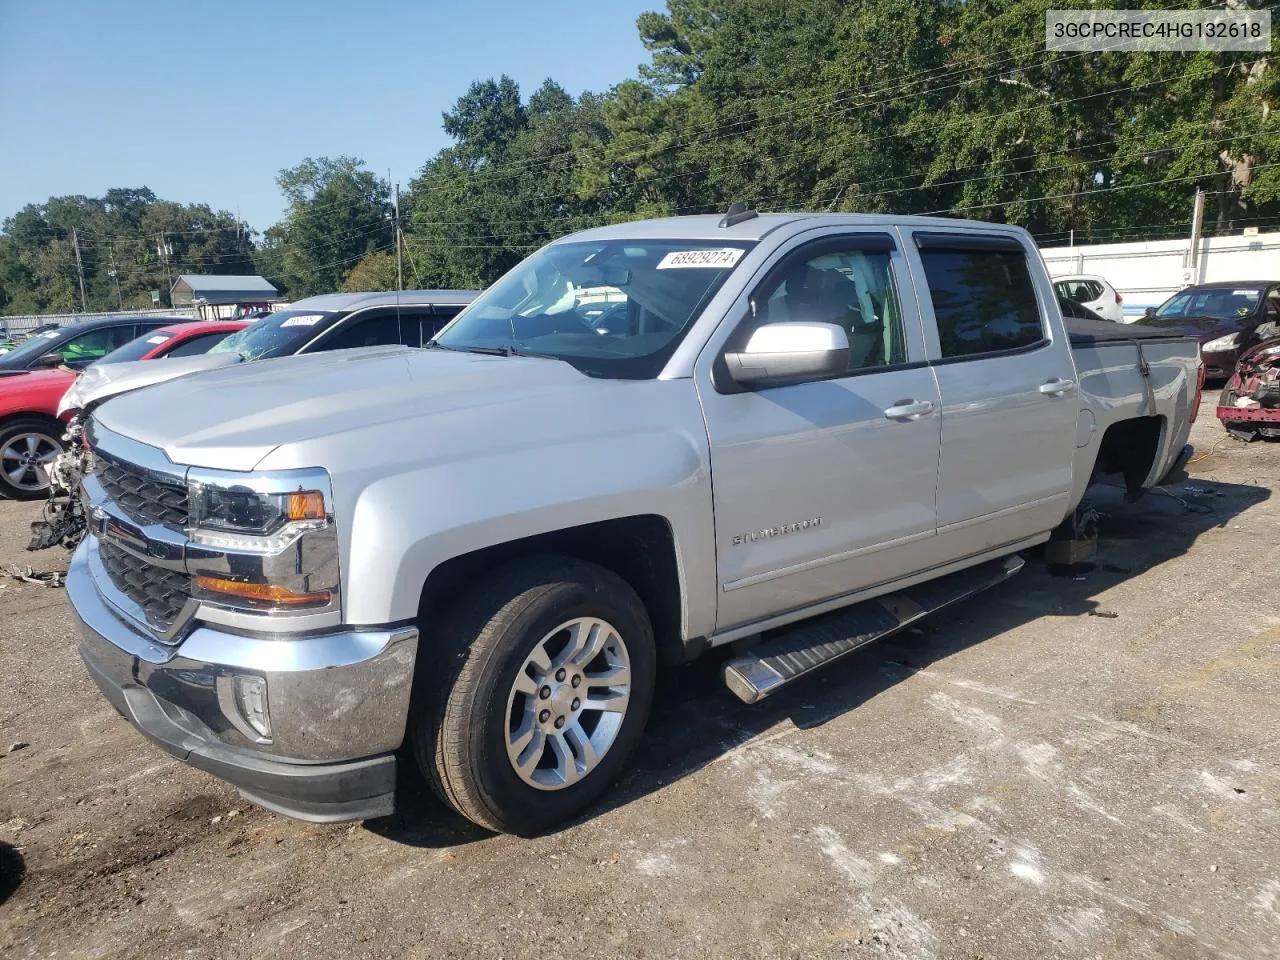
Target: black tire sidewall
<point>27,425</point>
<point>526,809</point>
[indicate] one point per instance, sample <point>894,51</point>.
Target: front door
<point>818,492</point>
<point>1009,399</point>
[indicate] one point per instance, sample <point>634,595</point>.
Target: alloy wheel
<point>567,703</point>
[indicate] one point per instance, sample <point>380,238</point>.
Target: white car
<point>1093,292</point>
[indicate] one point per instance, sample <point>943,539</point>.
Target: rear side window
<point>1081,291</point>
<point>983,299</point>
<point>373,331</point>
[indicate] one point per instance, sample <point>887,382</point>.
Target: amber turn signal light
<point>305,505</point>
<point>262,592</point>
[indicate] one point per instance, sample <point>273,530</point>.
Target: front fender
<point>404,526</point>
<point>413,492</point>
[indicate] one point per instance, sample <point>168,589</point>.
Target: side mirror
<point>54,359</point>
<point>780,353</point>
<point>1149,313</point>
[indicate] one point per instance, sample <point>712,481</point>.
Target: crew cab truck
<point>794,432</point>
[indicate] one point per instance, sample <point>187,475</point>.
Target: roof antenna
<point>738,212</point>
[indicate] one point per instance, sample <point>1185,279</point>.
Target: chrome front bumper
<point>338,702</point>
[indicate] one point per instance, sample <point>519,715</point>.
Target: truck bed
<point>1143,375</point>
<point>1088,332</point>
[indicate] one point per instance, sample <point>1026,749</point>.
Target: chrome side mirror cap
<point>782,353</point>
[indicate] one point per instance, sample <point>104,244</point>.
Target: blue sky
<point>205,101</point>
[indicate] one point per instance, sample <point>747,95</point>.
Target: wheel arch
<point>640,549</point>
<point>1131,448</point>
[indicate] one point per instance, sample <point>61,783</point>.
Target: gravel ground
<point>1065,766</point>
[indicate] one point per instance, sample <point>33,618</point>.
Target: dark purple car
<point>1224,317</point>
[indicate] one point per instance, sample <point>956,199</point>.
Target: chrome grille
<point>141,497</point>
<point>160,593</point>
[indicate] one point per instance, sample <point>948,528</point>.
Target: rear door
<point>1007,384</point>
<point>1095,297</point>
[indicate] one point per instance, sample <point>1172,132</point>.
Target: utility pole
<point>75,240</point>
<point>115,276</point>
<point>1197,228</point>
<point>164,250</point>
<point>396,223</point>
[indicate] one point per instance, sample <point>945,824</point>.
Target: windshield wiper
<point>508,351</point>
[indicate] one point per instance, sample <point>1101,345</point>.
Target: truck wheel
<point>537,695</point>
<point>27,448</point>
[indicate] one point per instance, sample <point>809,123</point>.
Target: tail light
<point>1195,406</point>
<point>1119,299</point>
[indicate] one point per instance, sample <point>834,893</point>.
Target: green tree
<point>505,187</point>
<point>377,271</point>
<point>339,212</point>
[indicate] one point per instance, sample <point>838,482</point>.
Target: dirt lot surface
<point>1079,765</point>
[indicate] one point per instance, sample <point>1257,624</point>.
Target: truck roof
<point>349,301</point>
<point>707,226</point>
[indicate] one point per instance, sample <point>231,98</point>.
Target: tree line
<point>885,106</point>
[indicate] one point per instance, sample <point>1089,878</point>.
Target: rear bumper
<point>338,705</point>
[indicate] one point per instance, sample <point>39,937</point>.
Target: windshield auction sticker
<point>715,259</point>
<point>1102,30</point>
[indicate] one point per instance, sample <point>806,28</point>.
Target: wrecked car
<point>314,325</point>
<point>1249,406</point>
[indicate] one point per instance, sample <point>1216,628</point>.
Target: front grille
<point>141,497</point>
<point>159,592</point>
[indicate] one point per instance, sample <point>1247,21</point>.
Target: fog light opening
<point>243,698</point>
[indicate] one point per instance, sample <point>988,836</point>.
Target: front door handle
<point>909,410</point>
<point>1056,387</point>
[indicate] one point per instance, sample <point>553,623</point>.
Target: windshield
<point>138,348</point>
<point>1221,303</point>
<point>30,349</point>
<point>278,335</point>
<point>612,308</point>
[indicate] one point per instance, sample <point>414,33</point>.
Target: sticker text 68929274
<point>714,259</point>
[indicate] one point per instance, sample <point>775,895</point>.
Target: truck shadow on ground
<point>695,719</point>
<point>12,871</point>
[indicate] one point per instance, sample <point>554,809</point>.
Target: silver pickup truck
<point>791,433</point>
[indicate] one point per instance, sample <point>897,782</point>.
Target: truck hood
<point>232,418</point>
<point>104,380</point>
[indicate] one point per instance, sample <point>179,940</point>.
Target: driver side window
<point>850,287</point>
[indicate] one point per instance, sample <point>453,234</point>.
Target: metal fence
<point>25,322</point>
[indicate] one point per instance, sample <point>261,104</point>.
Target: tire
<point>462,728</point>
<point>27,445</point>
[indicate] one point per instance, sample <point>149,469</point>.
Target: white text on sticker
<point>306,320</point>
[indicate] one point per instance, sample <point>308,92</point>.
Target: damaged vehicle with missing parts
<point>793,433</point>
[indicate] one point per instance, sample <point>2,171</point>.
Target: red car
<point>30,432</point>
<point>1250,403</point>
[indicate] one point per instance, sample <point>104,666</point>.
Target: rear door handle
<point>1056,387</point>
<point>909,410</point>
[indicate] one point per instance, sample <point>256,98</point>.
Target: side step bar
<point>788,653</point>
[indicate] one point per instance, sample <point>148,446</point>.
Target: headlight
<point>1222,343</point>
<point>246,511</point>
<point>263,541</point>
